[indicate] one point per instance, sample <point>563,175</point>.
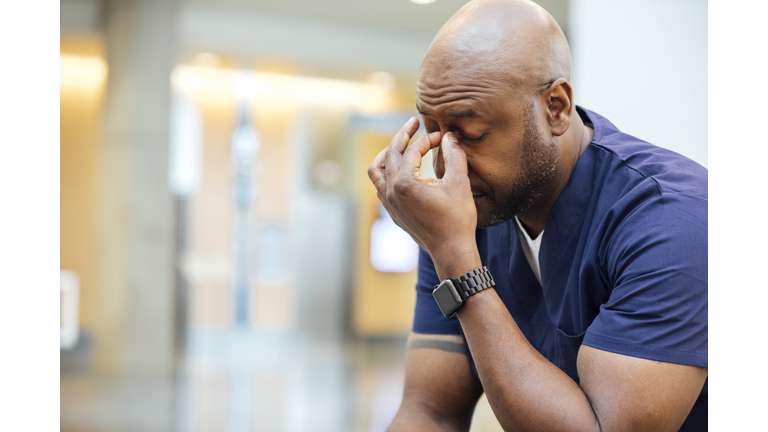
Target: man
<point>592,312</point>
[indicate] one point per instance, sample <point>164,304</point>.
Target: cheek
<point>483,176</point>
<point>496,173</point>
<point>486,169</point>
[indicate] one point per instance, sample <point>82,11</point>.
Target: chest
<point>555,316</point>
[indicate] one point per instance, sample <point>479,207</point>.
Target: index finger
<point>417,150</point>
<point>398,145</point>
<point>376,171</point>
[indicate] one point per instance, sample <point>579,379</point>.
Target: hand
<point>439,214</point>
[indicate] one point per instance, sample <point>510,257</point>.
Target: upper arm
<point>441,390</point>
<point>634,394</point>
<point>655,265</point>
<point>643,361</point>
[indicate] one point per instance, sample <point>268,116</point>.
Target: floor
<point>236,381</point>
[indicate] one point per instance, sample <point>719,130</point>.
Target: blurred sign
<point>392,249</point>
<point>69,289</point>
<point>186,146</point>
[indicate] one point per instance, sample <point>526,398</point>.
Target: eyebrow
<point>467,113</point>
<point>463,114</point>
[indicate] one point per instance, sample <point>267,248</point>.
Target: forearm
<point>440,391</point>
<point>525,390</point>
<point>420,418</point>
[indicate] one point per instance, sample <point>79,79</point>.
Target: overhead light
<point>82,71</point>
<point>279,88</point>
<point>423,1</point>
<point>206,59</point>
<point>384,81</point>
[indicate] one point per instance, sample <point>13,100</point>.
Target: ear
<point>558,99</point>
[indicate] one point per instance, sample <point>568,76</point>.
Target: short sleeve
<point>656,261</point>
<point>427,317</point>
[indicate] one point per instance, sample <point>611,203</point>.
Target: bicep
<point>629,393</point>
<point>441,390</point>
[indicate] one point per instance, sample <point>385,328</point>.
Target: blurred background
<point>225,264</point>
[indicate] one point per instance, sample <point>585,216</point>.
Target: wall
<point>643,65</point>
<point>81,96</point>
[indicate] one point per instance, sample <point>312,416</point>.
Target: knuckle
<point>401,188</point>
<point>381,187</point>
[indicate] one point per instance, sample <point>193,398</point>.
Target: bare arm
<point>440,388</point>
<point>616,393</point>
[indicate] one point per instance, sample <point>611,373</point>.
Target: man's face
<point>511,162</point>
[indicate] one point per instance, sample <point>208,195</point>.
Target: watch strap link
<point>474,282</point>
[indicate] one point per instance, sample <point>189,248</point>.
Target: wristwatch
<point>451,293</point>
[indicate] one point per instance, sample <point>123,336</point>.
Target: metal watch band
<point>474,282</point>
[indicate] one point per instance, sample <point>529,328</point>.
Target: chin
<point>489,216</point>
<point>485,215</point>
<point>490,219</point>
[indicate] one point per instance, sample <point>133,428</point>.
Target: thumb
<point>454,158</point>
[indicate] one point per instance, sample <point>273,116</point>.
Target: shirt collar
<point>571,204</point>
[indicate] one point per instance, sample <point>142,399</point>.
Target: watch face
<point>447,298</point>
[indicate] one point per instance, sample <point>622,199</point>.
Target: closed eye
<point>470,139</point>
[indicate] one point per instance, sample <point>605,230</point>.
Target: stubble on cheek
<point>537,168</point>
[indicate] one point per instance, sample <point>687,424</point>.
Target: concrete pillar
<point>134,331</point>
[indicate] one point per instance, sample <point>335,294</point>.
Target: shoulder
<point>671,228</point>
<point>642,161</point>
<point>649,206</point>
<point>639,186</point>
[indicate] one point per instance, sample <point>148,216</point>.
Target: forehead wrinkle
<point>454,91</point>
<point>446,99</point>
<point>477,95</point>
<point>447,83</point>
<point>444,110</point>
<point>442,74</point>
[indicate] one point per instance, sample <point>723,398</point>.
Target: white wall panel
<point>643,65</point>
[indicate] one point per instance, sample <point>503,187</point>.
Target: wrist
<point>453,265</point>
<point>452,293</point>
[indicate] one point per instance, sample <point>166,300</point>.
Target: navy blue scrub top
<point>623,262</point>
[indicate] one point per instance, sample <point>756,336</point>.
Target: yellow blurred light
<point>278,88</point>
<point>384,81</point>
<point>206,59</point>
<point>82,71</point>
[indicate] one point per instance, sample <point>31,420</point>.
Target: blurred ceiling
<point>386,13</point>
<point>341,38</point>
<point>81,16</point>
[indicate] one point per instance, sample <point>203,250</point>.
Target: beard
<point>539,162</point>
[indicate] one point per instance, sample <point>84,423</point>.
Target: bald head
<point>513,41</point>
<point>497,77</point>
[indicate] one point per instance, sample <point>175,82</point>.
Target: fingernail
<point>452,137</point>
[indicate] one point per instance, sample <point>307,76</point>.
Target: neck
<point>572,145</point>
